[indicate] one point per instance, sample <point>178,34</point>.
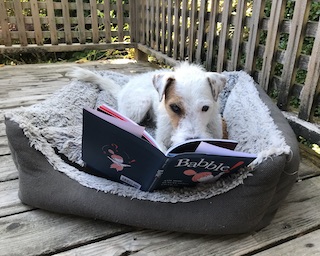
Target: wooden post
<point>5,24</point>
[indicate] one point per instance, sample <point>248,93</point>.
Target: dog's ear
<point>161,83</point>
<point>217,82</point>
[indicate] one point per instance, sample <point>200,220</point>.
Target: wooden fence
<point>260,36</point>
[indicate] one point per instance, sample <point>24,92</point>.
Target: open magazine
<point>116,148</point>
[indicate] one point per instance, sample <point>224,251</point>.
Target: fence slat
<point>257,12</point>
<point>94,21</point>
<point>192,30</point>
<point>157,26</point>
<point>20,23</point>
<point>176,29</point>
<point>120,20</point>
<point>52,23</point>
<point>163,38</point>
<point>67,24</point>
<point>223,35</point>
<point>201,30</point>
<point>169,28</point>
<point>312,83</point>
<point>81,24</point>
<point>107,22</point>
<point>276,17</point>
<point>36,22</point>
<point>237,35</point>
<point>6,37</point>
<point>295,41</point>
<point>212,33</point>
<point>183,29</point>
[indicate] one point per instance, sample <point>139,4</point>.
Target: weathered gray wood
<point>4,25</point>
<point>311,87</point>
<point>94,21</point>
<point>304,245</point>
<point>176,29</point>
<point>211,34</point>
<point>20,23</point>
<point>201,31</point>
<point>120,20</point>
<point>253,39</point>
<point>295,217</point>
<point>299,21</point>
<point>9,201</point>
<point>222,54</point>
<point>107,22</point>
<point>52,22</point>
<point>66,23</point>
<point>238,34</point>
<point>183,29</point>
<point>192,31</point>
<point>81,25</point>
<point>8,170</point>
<point>36,22</point>
<point>38,232</point>
<point>276,17</point>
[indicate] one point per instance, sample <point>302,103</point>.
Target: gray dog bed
<point>45,141</point>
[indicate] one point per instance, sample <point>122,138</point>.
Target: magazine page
<point>114,113</point>
<point>191,145</point>
<point>207,148</point>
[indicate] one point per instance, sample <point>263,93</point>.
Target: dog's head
<point>190,99</point>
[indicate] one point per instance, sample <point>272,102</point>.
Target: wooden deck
<point>28,231</point>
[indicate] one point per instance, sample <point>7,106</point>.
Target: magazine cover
<point>117,149</point>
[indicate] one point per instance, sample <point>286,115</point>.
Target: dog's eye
<point>175,108</point>
<point>205,108</point>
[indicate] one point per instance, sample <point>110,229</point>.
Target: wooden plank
<point>4,149</point>
<point>296,216</point>
<point>169,28</point>
<point>164,20</point>
<point>94,21</point>
<point>66,21</point>
<point>148,21</point>
<point>157,26</point>
<point>52,22</point>
<point>253,40</point>
<point>211,36</point>
<point>20,23</point>
<point>107,22</point>
<point>135,16</point>
<point>120,20</point>
<point>39,232</point>
<point>65,47</point>
<point>201,31</point>
<point>192,31</point>
<point>238,34</point>
<point>304,245</point>
<point>8,170</point>
<point>6,37</point>
<point>9,201</point>
<point>36,22</point>
<point>311,87</point>
<point>176,36</point>
<point>183,29</point>
<point>81,25</point>
<point>276,16</point>
<point>295,41</point>
<point>223,36</point>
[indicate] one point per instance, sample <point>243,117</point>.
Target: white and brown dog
<point>184,102</point>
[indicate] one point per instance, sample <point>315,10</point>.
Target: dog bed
<point>45,141</point>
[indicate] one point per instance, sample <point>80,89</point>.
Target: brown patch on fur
<point>224,129</point>
<point>172,98</point>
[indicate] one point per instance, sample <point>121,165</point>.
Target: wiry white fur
<point>146,94</point>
